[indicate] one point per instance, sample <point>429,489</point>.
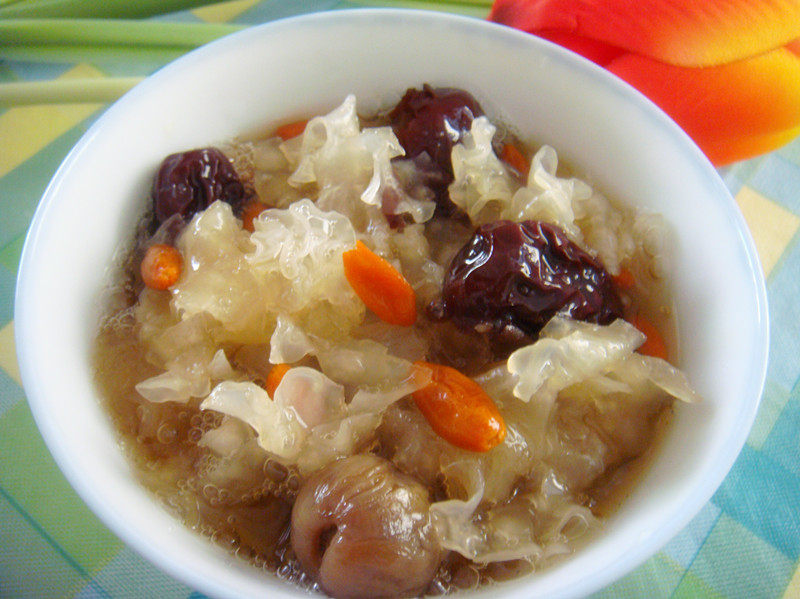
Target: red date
<point>519,275</point>
<point>428,123</point>
<point>189,182</point>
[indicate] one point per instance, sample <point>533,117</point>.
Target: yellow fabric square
<point>771,225</point>
<point>8,352</point>
<point>27,129</point>
<point>793,590</point>
<point>224,11</point>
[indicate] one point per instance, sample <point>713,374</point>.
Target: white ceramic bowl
<point>307,65</point>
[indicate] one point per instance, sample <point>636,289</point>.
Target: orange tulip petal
<point>688,33</point>
<point>596,51</point>
<point>732,111</point>
<point>746,147</point>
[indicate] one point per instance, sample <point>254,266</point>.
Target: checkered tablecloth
<point>744,543</point>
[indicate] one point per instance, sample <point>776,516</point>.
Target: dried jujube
<point>428,123</point>
<point>188,182</point>
<point>519,275</point>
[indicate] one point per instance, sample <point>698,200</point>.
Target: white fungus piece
<point>190,374</point>
<point>297,254</point>
<point>227,438</point>
<point>568,353</point>
<point>351,167</point>
<point>547,197</point>
<point>358,363</point>
<point>308,423</point>
<point>482,185</point>
<point>216,278</point>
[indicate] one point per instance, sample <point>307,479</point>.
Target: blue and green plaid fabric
<point>744,543</point>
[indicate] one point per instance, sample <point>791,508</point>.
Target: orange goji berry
<point>161,266</point>
<point>654,345</point>
<point>380,286</point>
<point>459,410</point>
<point>625,279</point>
<point>275,377</point>
<point>514,158</point>
<point>249,213</point>
<point>290,130</point>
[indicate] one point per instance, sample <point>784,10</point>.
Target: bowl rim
<point>582,67</point>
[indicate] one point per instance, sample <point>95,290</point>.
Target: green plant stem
<point>98,90</point>
<point>71,40</point>
<point>122,9</point>
<point>471,8</point>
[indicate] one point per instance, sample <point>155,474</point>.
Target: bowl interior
<point>305,66</point>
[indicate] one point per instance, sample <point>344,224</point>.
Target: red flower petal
<point>732,111</point>
<point>681,32</point>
